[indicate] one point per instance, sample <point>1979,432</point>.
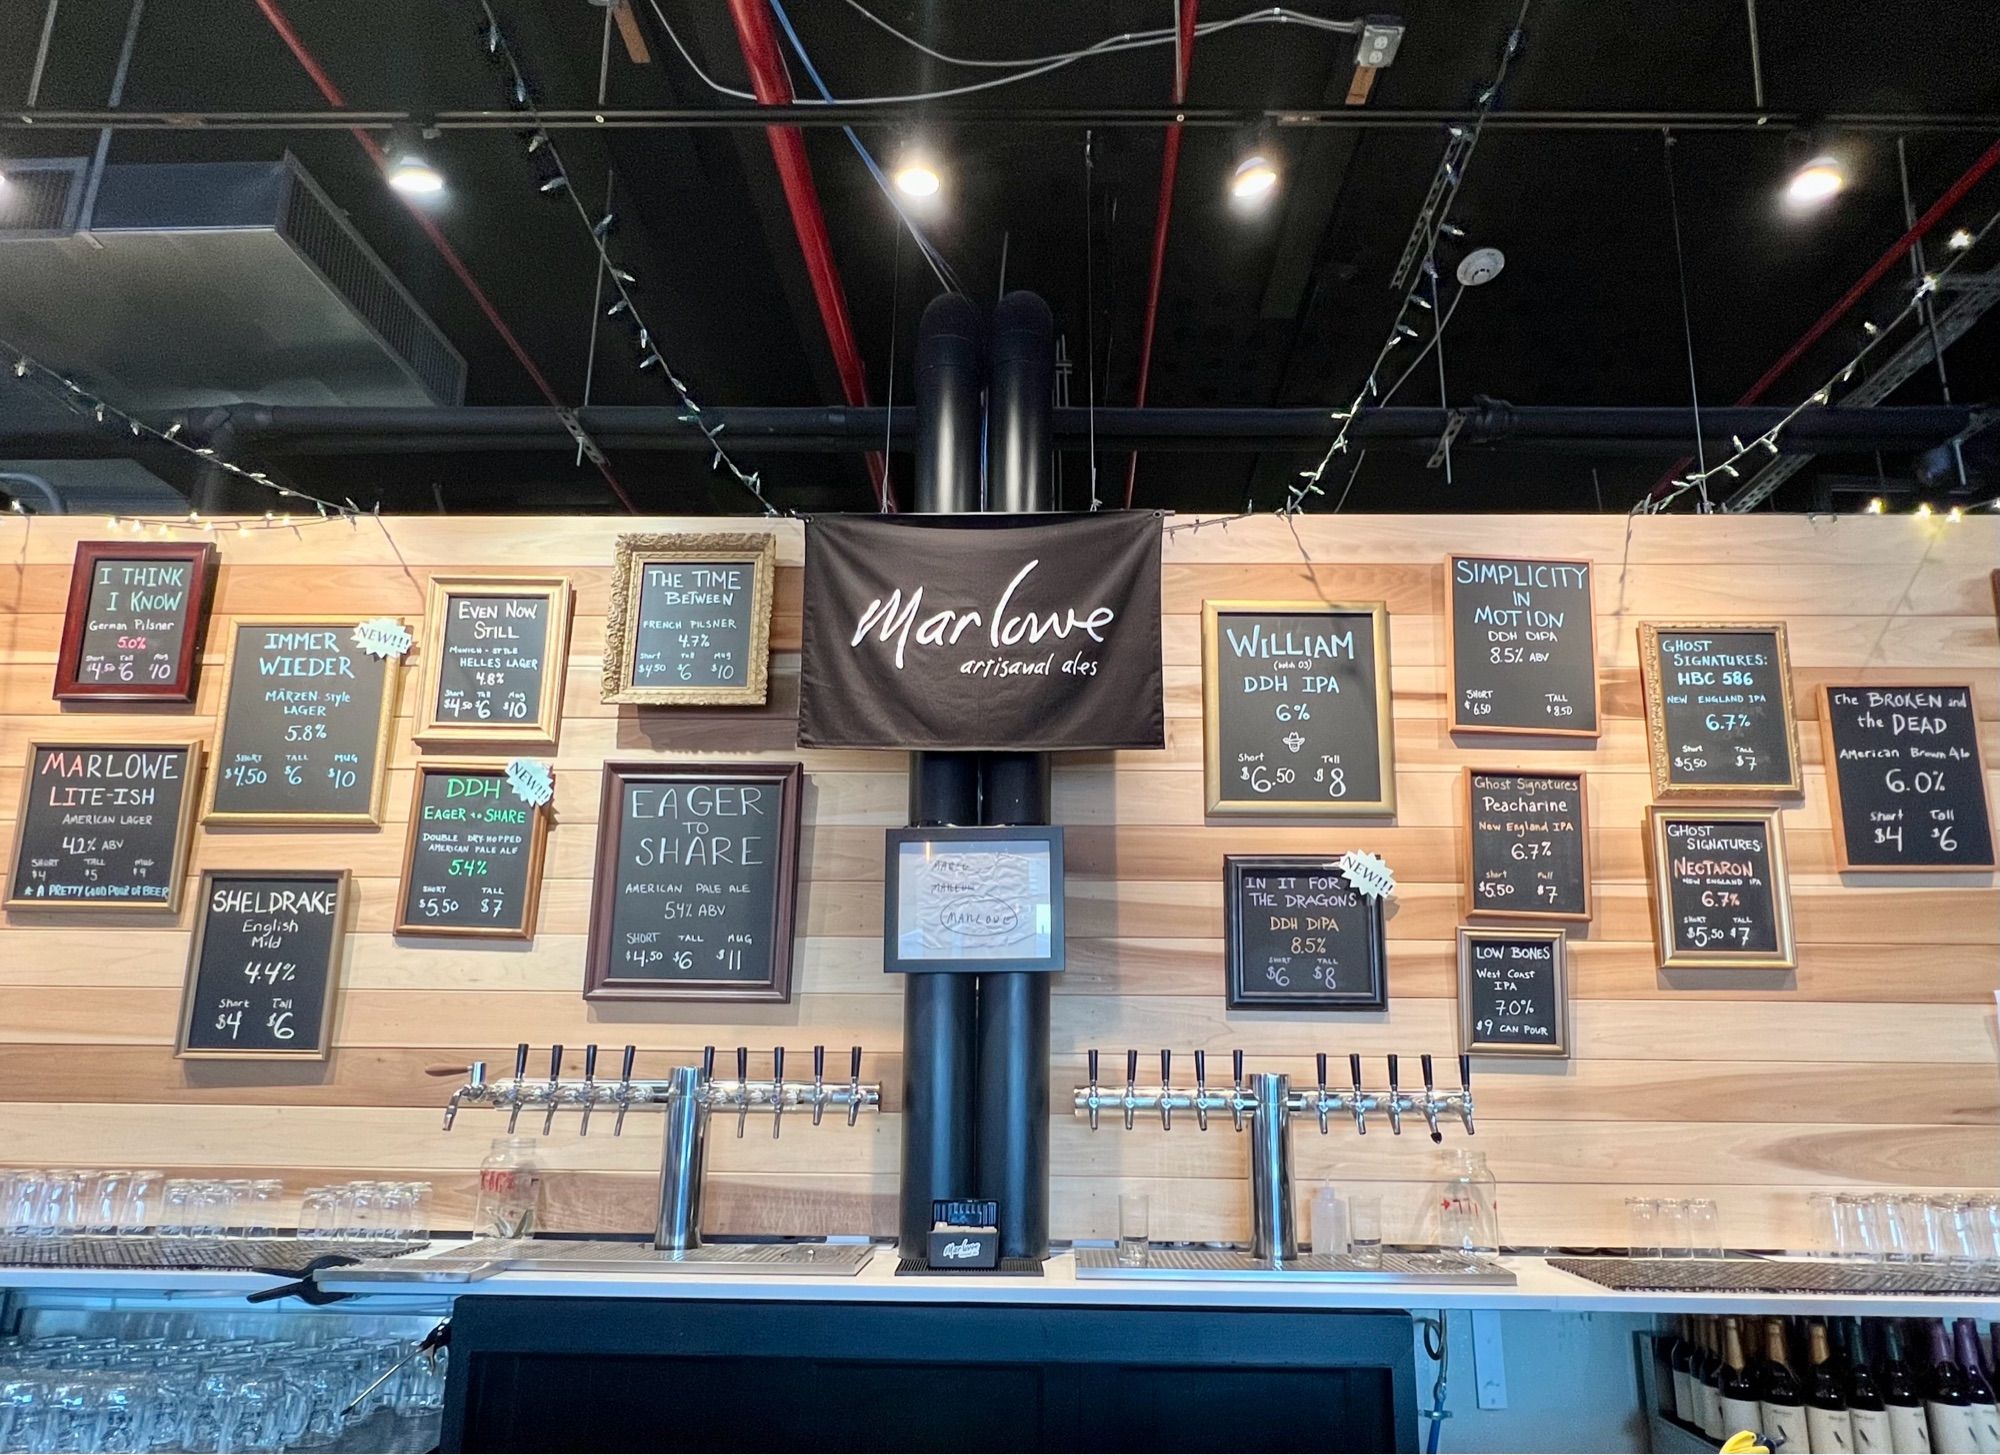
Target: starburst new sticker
<point>532,781</point>
<point>383,636</point>
<point>1367,873</point>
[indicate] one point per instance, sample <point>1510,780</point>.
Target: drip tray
<point>1215,1265</point>
<point>488,1256</point>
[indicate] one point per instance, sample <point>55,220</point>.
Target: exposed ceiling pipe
<point>1876,271</point>
<point>272,12</point>
<point>759,40</point>
<point>1170,161</point>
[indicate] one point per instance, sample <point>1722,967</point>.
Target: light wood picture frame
<point>1659,751</point>
<point>1473,909</point>
<point>538,847</point>
<point>1219,799</point>
<point>632,554</point>
<point>545,727</point>
<point>1468,1040</point>
<point>1452,722</point>
<point>321,1048</point>
<point>191,789</point>
<point>1659,891</point>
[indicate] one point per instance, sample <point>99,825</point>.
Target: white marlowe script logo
<point>966,1249</point>
<point>896,619</point>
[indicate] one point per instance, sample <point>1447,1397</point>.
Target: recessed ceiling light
<point>916,175</point>
<point>1959,240</point>
<point>1816,183</point>
<point>411,175</point>
<point>1254,180</point>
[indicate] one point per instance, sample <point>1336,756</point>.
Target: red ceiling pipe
<point>759,39</point>
<point>1170,161</point>
<point>310,64</point>
<point>1952,196</point>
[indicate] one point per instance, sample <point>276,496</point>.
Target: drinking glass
<point>131,1410</point>
<point>1985,1229</point>
<point>104,1201</point>
<point>236,1208</point>
<point>1674,1227</point>
<point>1642,1218</point>
<point>1704,1228</point>
<point>1892,1228</point>
<point>1364,1228</point>
<point>1948,1226</point>
<point>1825,1225</point>
<point>23,1411</point>
<point>142,1201</point>
<point>1856,1228</point>
<point>319,1214</point>
<point>26,1192</point>
<point>208,1208</point>
<point>1135,1216</point>
<point>259,1213</point>
<point>73,1416</point>
<point>178,1212</point>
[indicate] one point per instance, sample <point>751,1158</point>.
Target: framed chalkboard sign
<point>263,967</point>
<point>495,652</point>
<point>136,615</point>
<point>1513,992</point>
<point>1299,936</point>
<point>104,826</point>
<point>1521,637</point>
<point>1296,710</point>
<point>973,899</point>
<point>472,865</point>
<point>696,882</point>
<point>1527,845</point>
<point>1719,719</point>
<point>1720,892</point>
<point>305,725</point>
<point>690,622</point>
<point>1907,784</point>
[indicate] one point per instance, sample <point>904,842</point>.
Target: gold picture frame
<point>1659,751</point>
<point>392,680</point>
<point>191,789</point>
<point>538,848</point>
<point>1468,1042</point>
<point>321,1048</point>
<point>546,725</point>
<point>1659,885</point>
<point>631,556</point>
<point>1219,804</point>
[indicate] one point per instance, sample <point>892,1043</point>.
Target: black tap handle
<point>625,1072</point>
<point>1201,1068</point>
<point>1392,1073</point>
<point>1322,1070</point>
<point>1166,1065</point>
<point>1131,1066</point>
<point>1464,1072</point>
<point>1237,1057</point>
<point>777,1063</point>
<point>1354,1068</point>
<point>819,1063</point>
<point>555,1062</point>
<point>854,1065</point>
<point>1093,1066</point>
<point>1430,1081</point>
<point>521,1060</point>
<point>708,1063</point>
<point>590,1062</point>
<point>742,1064</point>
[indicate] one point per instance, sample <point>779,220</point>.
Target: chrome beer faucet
<point>1269,1104</point>
<point>689,1096</point>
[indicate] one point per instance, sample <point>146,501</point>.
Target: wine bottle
<point>1781,1403</point>
<point>1680,1360</point>
<point>1827,1424</point>
<point>1866,1413</point>
<point>1909,1430</point>
<point>1978,1386</point>
<point>1708,1401</point>
<point>1739,1389</point>
<point>1947,1405</point>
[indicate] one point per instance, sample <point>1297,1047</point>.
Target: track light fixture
<point>1255,179</point>
<point>916,173</point>
<point>409,171</point>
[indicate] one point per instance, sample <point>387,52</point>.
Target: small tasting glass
<point>1135,1216</point>
<point>1892,1228</point>
<point>1704,1228</point>
<point>1856,1228</point>
<point>104,1201</point>
<point>1364,1228</point>
<point>1642,1218</point>
<point>1825,1225</point>
<point>142,1201</point>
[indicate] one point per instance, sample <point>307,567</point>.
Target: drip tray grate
<point>1755,1275</point>
<point>212,1254</point>
<point>488,1256</point>
<point>1221,1265</point>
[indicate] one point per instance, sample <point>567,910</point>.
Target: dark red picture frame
<point>201,556</point>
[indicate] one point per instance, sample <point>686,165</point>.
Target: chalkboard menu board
<point>1719,710</point>
<point>1523,650</point>
<point>495,650</point>
<point>133,625</point>
<point>1295,708</point>
<point>1720,895</point>
<point>1527,845</point>
<point>305,726</point>
<point>697,877</point>
<point>261,974</point>
<point>690,621</point>
<point>1513,993</point>
<point>104,825</point>
<point>1906,779</point>
<point>472,864</point>
<point>1299,936</point>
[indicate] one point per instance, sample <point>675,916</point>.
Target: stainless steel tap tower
<point>1266,1100</point>
<point>689,1095</point>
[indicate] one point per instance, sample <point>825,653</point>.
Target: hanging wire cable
<point>1687,321</point>
<point>1090,308</point>
<point>694,65</point>
<point>1275,13</point>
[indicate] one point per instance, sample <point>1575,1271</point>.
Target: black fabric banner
<point>1011,632</point>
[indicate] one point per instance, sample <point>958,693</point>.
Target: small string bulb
<point>1876,506</point>
<point>1923,510</point>
<point>1955,514</point>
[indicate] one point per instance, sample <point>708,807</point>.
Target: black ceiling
<point>1286,309</point>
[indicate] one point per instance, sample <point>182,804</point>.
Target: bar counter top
<point>1538,1286</point>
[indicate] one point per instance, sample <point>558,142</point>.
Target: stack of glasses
<point>1674,1227</point>
<point>1950,1231</point>
<point>362,1212</point>
<point>65,1203</point>
<point>73,1393</point>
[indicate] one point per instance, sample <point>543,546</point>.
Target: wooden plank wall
<point>1873,1065</point>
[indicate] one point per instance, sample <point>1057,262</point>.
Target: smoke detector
<point>1481,265</point>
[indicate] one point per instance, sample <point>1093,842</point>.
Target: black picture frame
<point>1046,837</point>
<point>1374,996</point>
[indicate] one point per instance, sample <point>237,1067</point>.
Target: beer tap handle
<point>1201,1089</point>
<point>777,1089</point>
<point>1166,1093</point>
<point>1236,1101</point>
<point>474,1087</point>
<point>742,1088</point>
<point>555,1081</point>
<point>1430,1099</point>
<point>1465,1091</point>
<point>1395,1099</point>
<point>1319,1101</point>
<point>853,1085</point>
<point>1092,1104</point>
<point>708,1063</point>
<point>819,1082</point>
<point>624,1091</point>
<point>1131,1082</point>
<point>1360,1111</point>
<point>520,1074</point>
<point>589,1086</point>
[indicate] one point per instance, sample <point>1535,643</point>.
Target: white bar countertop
<point>1539,1286</point>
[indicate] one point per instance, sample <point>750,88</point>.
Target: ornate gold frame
<point>1658,888</point>
<point>1659,754</point>
<point>620,627</point>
